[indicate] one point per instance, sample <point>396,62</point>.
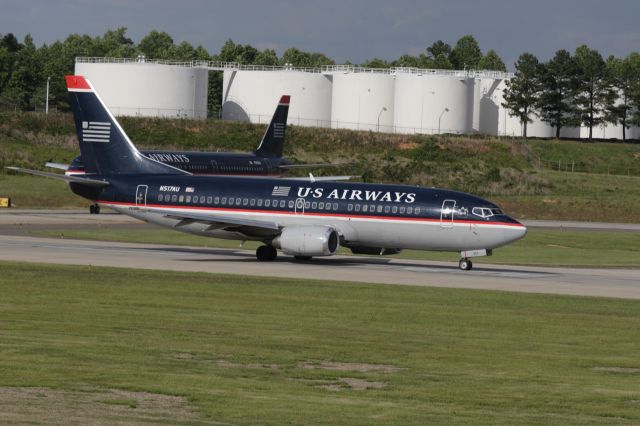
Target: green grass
<point>36,192</point>
<point>540,247</point>
<point>239,347</point>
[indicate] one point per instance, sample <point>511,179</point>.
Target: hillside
<point>604,184</point>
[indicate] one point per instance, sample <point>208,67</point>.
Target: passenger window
<point>402,209</point>
<point>321,205</point>
<point>417,210</point>
<point>380,209</point>
<point>387,209</point>
<point>307,205</point>
<point>409,210</point>
<point>224,200</point>
<point>216,200</point>
<point>174,198</point>
<point>252,202</point>
<point>365,208</point>
<point>259,202</point>
<point>335,206</point>
<point>209,200</point>
<point>350,207</point>
<point>238,201</point>
<point>245,201</point>
<point>188,199</point>
<point>314,205</point>
<point>231,202</point>
<point>283,204</point>
<point>267,203</point>
<point>290,204</point>
<point>160,197</point>
<point>357,207</point>
<point>394,209</point>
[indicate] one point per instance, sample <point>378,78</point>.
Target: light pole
<point>379,114</point>
<point>46,108</point>
<point>440,118</point>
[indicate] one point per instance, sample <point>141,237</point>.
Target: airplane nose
<point>516,232</point>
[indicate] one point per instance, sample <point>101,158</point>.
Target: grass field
<point>540,247</point>
<point>252,350</point>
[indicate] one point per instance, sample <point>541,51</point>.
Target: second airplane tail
<point>272,144</point>
<point>104,146</point>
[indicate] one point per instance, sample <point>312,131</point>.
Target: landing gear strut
<point>94,209</point>
<point>465,264</point>
<point>266,253</point>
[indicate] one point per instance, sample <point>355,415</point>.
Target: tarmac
<point>16,245</point>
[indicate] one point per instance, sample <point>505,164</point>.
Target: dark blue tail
<point>272,143</point>
<point>104,146</point>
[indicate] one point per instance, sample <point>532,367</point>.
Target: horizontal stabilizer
<point>68,179</point>
<point>59,166</point>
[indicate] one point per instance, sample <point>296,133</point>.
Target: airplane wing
<point>59,166</point>
<point>68,179</point>
<point>250,227</point>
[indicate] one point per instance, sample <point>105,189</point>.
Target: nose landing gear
<point>94,209</point>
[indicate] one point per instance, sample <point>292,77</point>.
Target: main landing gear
<point>94,209</point>
<point>266,253</point>
<point>465,264</point>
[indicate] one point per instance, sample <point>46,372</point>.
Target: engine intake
<point>308,241</point>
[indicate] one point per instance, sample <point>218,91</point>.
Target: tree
<point>267,57</point>
<point>376,63</point>
<point>522,91</point>
<point>298,58</point>
<point>491,61</point>
<point>237,53</point>
<point>624,75</point>
<point>442,62</point>
<point>157,45</point>
<point>594,91</point>
<point>466,54</point>
<point>558,89</point>
<point>439,48</point>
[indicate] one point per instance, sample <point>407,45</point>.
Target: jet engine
<point>308,241</point>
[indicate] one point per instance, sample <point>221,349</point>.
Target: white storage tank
<point>363,100</point>
<point>253,95</point>
<point>508,125</point>
<point>433,103</point>
<point>149,89</point>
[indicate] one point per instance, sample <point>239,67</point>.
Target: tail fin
<point>272,143</point>
<point>104,146</point>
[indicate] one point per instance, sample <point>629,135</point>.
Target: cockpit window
<point>484,212</point>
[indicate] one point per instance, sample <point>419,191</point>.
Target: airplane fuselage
<point>391,216</point>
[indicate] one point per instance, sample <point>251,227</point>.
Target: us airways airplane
<point>300,218</point>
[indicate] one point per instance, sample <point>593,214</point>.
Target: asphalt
<point>16,246</point>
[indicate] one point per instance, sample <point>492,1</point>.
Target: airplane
<point>300,218</point>
<point>266,160</point>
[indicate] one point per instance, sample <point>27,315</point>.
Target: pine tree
<point>522,91</point>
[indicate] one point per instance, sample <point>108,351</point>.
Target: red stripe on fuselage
<point>313,214</point>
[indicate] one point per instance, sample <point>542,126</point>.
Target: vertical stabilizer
<point>104,146</point>
<point>272,143</point>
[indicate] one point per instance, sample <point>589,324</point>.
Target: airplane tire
<point>92,209</point>
<point>465,264</point>
<point>302,257</point>
<point>96,209</point>
<point>266,253</point>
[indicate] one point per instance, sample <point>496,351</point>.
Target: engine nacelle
<point>308,241</point>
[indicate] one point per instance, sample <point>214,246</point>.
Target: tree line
<point>572,90</point>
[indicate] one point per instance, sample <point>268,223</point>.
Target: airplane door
<point>141,195</point>
<point>447,212</point>
<point>299,206</point>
